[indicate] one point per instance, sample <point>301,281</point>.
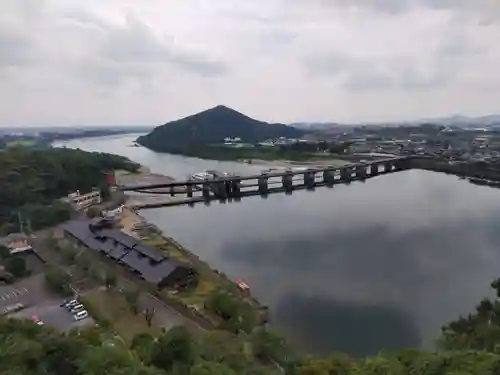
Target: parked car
<point>70,303</point>
<point>37,320</point>
<point>77,308</point>
<point>80,315</point>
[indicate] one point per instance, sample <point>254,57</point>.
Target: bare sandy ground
<point>292,164</point>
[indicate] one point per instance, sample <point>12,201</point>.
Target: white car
<point>70,304</point>
<point>76,308</point>
<point>81,315</point>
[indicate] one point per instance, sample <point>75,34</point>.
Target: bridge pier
<point>329,177</point>
<point>361,172</point>
<point>345,174</point>
<point>205,191</point>
<point>387,167</point>
<point>309,180</point>
<point>235,188</point>
<point>374,169</point>
<point>287,181</point>
<point>263,185</point>
<point>402,164</point>
<point>189,190</point>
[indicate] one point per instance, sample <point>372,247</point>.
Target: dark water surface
<point>358,268</point>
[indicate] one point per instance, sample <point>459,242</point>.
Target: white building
<point>83,201</point>
<point>16,243</point>
<point>114,214</point>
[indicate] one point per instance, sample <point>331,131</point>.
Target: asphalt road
<point>29,291</point>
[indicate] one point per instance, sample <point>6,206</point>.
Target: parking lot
<point>54,315</point>
<point>31,292</point>
<point>27,291</point>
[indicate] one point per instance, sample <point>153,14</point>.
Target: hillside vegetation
<point>470,346</point>
<point>32,181</point>
<point>199,134</point>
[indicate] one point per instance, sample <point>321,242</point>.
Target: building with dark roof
<point>147,262</point>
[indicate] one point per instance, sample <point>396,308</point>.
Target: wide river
<point>358,268</point>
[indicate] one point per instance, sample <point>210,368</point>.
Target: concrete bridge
<point>238,186</point>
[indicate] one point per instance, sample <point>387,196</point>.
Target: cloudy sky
<point>151,61</point>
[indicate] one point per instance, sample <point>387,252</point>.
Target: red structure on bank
<point>111,179</point>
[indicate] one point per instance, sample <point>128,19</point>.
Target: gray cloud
<point>362,53</point>
<point>15,49</point>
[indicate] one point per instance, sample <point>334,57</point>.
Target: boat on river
<point>208,175</point>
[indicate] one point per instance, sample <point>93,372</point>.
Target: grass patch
<point>170,250</point>
<point>111,306</point>
<point>123,172</point>
<point>21,143</point>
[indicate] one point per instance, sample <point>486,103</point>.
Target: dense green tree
<point>225,347</point>
<point>16,266</point>
<point>270,345</point>
<point>110,280</point>
<point>33,181</point>
<point>237,315</point>
<point>143,345</point>
<point>132,298</point>
<point>28,349</point>
<point>58,281</point>
<point>174,348</point>
<point>211,368</point>
<point>4,252</point>
<point>93,212</point>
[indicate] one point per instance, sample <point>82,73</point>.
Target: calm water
<point>358,268</point>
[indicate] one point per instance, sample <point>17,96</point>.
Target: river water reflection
<point>357,268</point>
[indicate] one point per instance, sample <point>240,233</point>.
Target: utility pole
<point>21,226</point>
<point>28,223</point>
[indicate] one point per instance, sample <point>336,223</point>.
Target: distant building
<point>16,243</point>
<point>83,201</point>
<point>115,213</point>
<point>147,262</point>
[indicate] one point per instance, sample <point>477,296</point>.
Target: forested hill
<point>32,181</point>
<point>210,127</point>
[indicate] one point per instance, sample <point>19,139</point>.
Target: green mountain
<point>209,128</point>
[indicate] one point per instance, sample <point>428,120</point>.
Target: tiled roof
<point>150,262</point>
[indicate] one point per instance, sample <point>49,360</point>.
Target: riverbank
<point>295,164</point>
<point>196,301</point>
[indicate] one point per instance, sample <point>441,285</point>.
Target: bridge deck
<point>256,176</point>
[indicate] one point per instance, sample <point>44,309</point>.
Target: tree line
<point>469,346</point>
<point>33,181</point>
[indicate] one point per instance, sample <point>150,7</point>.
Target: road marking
<point>13,294</point>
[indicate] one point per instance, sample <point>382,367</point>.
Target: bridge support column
<point>263,185</point>
<point>345,174</point>
<point>374,169</point>
<point>401,164</point>
<point>309,180</point>
<point>172,191</point>
<point>361,173</point>
<point>287,181</point>
<point>235,188</point>
<point>329,178</point>
<point>221,190</point>
<point>189,190</point>
<point>205,190</point>
<point>387,167</point>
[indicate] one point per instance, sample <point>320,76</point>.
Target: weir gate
<point>264,183</point>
